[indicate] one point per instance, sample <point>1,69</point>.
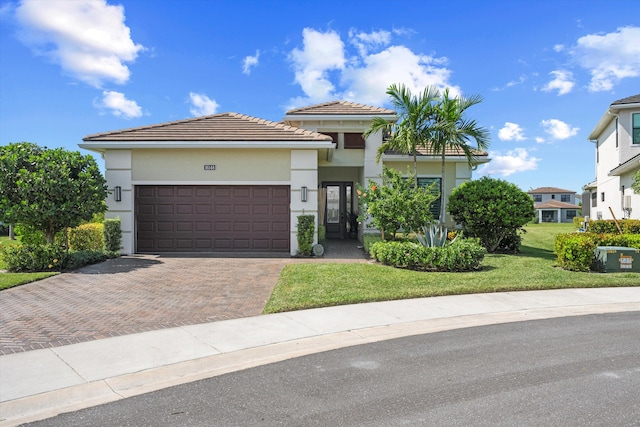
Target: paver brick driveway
<point>133,294</point>
<point>142,293</point>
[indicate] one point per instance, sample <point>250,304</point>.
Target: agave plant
<point>434,236</point>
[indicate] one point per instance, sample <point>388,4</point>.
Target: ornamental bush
<point>492,210</point>
<point>461,255</point>
<point>112,235</point>
<point>86,237</point>
<point>576,251</point>
<point>306,229</point>
<point>27,258</point>
<point>628,226</point>
<point>396,204</point>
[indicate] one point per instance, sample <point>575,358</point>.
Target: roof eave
<point>608,116</point>
<point>345,117</point>
<point>100,146</point>
<point>448,159</point>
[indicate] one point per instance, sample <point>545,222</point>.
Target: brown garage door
<point>213,218</point>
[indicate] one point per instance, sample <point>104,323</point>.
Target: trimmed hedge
<point>628,226</point>
<point>461,255</point>
<point>306,229</point>
<point>31,258</point>
<point>576,251</point>
<point>112,235</point>
<point>86,237</point>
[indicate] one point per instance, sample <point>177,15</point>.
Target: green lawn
<point>310,285</point>
<point>8,280</point>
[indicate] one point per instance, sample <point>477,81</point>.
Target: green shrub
<point>492,210</point>
<point>578,221</point>
<point>28,258</point>
<point>306,228</point>
<point>461,255</point>
<point>368,239</point>
<point>78,259</point>
<point>576,251</point>
<point>86,237</point>
<point>628,226</point>
<point>112,235</point>
<point>29,235</point>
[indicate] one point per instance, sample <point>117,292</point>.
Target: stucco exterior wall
<point>304,173</point>
<point>231,165</point>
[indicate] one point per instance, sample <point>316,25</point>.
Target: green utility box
<point>616,259</point>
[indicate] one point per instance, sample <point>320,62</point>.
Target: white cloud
<point>119,105</point>
<point>511,132</point>
<point>249,62</point>
<point>609,57</point>
<point>321,53</point>
<point>558,129</point>
<point>365,74</point>
<point>202,105</point>
<point>88,38</point>
<point>562,82</point>
<point>366,41</point>
<point>513,161</point>
<point>558,47</point>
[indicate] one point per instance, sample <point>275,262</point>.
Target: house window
<point>537,198</point>
<point>353,140</point>
<point>616,132</point>
<point>571,214</point>
<point>602,196</point>
<point>565,198</point>
<point>594,200</point>
<point>553,196</point>
<point>636,128</point>
<point>437,190</point>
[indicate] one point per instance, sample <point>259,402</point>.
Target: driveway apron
<point>141,293</point>
<point>130,295</point>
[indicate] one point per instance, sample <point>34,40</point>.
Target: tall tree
<point>453,132</point>
<point>49,189</point>
<point>414,125</point>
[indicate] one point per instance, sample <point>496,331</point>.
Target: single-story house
<point>234,183</point>
<point>554,204</point>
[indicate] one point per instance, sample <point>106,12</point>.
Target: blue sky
<point>547,70</point>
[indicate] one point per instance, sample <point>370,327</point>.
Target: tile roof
<point>628,100</point>
<point>549,190</point>
<point>554,204</point>
<point>217,127</point>
<point>340,108</point>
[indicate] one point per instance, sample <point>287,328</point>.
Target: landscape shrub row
<point>461,255</point>
<point>49,257</point>
<point>576,251</point>
<point>628,226</point>
<point>88,244</point>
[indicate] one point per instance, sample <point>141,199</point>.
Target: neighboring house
<point>555,204</point>
<point>231,182</point>
<point>617,142</point>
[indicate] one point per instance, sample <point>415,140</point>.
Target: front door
<point>339,217</point>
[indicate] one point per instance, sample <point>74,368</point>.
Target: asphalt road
<point>574,371</point>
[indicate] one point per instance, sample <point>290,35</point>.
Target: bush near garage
<point>86,237</point>
<point>461,255</point>
<point>112,235</point>
<point>576,251</point>
<point>49,257</point>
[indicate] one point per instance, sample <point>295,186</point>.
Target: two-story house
<point>617,144</point>
<point>554,204</point>
<point>234,183</point>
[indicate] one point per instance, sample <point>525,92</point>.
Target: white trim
<point>127,145</point>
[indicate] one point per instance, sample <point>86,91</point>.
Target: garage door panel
<point>212,218</point>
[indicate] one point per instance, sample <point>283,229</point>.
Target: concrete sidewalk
<point>42,383</point>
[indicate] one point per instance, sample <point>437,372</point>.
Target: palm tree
<point>413,128</point>
<point>453,132</point>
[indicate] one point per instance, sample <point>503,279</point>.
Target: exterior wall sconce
<point>117,193</point>
<point>303,194</point>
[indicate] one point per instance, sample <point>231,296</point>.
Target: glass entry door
<point>339,218</point>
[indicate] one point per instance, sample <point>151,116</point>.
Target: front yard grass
<point>303,286</point>
<point>8,280</point>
